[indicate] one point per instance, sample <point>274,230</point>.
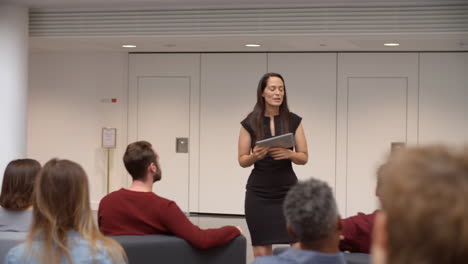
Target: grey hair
<point>310,209</point>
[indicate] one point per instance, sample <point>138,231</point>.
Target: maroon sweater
<point>357,233</point>
<point>126,212</point>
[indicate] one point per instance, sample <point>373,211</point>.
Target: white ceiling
<point>187,3</point>
<point>234,44</point>
<point>291,42</point>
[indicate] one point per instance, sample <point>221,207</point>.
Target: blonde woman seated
<point>63,230</point>
<point>16,196</point>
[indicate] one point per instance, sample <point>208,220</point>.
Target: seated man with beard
<point>139,211</point>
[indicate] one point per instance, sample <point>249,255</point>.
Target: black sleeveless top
<point>272,178</point>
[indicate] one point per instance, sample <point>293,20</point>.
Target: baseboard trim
<point>215,215</point>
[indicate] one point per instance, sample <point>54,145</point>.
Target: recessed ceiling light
<point>392,44</point>
<point>253,45</point>
<point>128,46</point>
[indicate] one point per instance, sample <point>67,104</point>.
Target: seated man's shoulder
<point>124,198</point>
<point>128,194</point>
<point>113,194</point>
<point>360,219</point>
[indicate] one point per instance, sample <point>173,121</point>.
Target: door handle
<point>182,145</point>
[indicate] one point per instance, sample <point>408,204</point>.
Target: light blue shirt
<point>295,256</point>
<point>79,248</point>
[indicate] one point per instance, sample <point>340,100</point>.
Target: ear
<point>379,247</point>
<point>152,168</point>
<point>339,224</point>
<point>290,231</point>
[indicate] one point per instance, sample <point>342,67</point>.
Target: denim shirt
<point>79,249</point>
<point>295,256</point>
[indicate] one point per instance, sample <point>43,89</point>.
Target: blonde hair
<point>61,203</point>
<point>425,197</point>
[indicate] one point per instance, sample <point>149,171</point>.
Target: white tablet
<point>283,141</point>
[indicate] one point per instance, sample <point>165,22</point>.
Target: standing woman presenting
<point>272,175</point>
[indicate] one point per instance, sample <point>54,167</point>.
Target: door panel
<point>377,113</point>
<point>163,116</point>
<point>377,104</point>
<point>163,104</point>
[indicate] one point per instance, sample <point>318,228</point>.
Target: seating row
<point>157,249</point>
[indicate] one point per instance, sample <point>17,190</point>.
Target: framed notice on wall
<point>109,136</point>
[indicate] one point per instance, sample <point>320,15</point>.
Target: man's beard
<point>157,175</point>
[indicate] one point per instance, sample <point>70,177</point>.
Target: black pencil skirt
<point>265,219</point>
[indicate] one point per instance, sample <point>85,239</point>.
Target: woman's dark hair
<point>18,184</point>
<point>255,118</point>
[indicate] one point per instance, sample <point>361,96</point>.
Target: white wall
<point>13,83</point>
<point>311,85</point>
<point>66,112</point>
<point>228,94</point>
<point>443,98</point>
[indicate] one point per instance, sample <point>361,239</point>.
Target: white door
<point>162,106</point>
<point>163,116</point>
<point>376,118</point>
<point>377,105</point>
